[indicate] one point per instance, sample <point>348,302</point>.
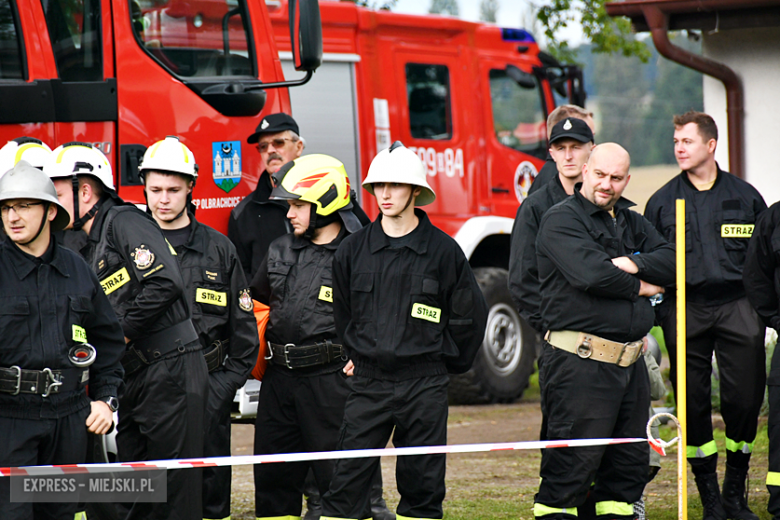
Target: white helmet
<point>29,149</point>
<point>399,164</point>
<point>72,159</point>
<point>169,155</point>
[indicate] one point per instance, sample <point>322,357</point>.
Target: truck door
<point>430,87</point>
<point>187,68</point>
<point>515,135</point>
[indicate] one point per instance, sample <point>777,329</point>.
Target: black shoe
<point>709,493</point>
<point>379,509</point>
<point>735,495</point>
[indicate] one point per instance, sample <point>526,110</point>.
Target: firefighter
<point>166,380</point>
<point>218,297</point>
<point>301,402</point>
<point>761,277</point>
<point>53,305</point>
<point>257,220</point>
<point>594,289</point>
<point>29,149</point>
<point>720,212</point>
<point>549,170</point>
<point>409,310</point>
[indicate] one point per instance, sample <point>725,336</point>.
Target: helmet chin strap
<point>78,222</point>
<point>40,228</point>
<point>309,233</point>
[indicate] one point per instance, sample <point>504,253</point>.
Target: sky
<point>511,13</point>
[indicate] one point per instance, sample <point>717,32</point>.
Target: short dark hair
<point>707,127</point>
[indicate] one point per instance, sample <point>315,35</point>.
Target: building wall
<point>754,54</point>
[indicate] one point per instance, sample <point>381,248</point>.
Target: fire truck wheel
<point>506,360</point>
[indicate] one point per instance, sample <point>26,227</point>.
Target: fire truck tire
<point>505,362</point>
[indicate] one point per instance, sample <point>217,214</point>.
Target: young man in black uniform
<point>302,398</point>
<point>53,304</point>
<point>166,381</point>
<point>257,220</point>
<point>409,310</point>
<point>761,277</point>
<point>720,213</point>
<point>594,289</point>
<point>219,300</point>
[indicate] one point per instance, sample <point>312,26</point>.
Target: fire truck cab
<point>472,100</point>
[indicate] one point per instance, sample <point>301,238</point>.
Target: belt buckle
<point>584,349</point>
<point>18,379</point>
<point>52,382</point>
<point>286,356</point>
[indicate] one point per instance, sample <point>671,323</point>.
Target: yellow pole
<point>682,462</point>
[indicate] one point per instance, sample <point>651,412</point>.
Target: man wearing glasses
<point>257,221</point>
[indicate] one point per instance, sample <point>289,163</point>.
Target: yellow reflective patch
<point>171,249</point>
<point>773,479</point>
<point>79,334</point>
<point>115,281</point>
<point>211,297</point>
<point>326,294</point>
<point>423,312</point>
<point>736,230</point>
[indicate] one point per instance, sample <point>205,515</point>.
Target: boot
<point>735,496</point>
<point>709,493</point>
<point>313,498</point>
<point>379,509</point>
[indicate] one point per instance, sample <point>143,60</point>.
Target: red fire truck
<point>472,100</point>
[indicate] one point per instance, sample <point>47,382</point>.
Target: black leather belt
<point>216,356</point>
<point>16,380</point>
<point>292,356</point>
<point>148,350</point>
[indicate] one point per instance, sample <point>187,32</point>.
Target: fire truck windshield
<point>518,114</point>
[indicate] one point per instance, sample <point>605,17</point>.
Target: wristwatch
<point>112,402</point>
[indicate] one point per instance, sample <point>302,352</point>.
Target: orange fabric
<point>261,316</point>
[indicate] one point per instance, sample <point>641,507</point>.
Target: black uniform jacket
<point>137,269</point>
<point>255,223</point>
<point>761,274</point>
<point>523,273</point>
<point>718,223</point>
<point>417,306</point>
<point>219,300</point>
<point>581,288</point>
<point>296,282</point>
<point>47,305</point>
<point>548,172</point>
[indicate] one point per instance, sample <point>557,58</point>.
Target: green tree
<point>444,7</point>
<point>607,34</point>
<point>488,10</point>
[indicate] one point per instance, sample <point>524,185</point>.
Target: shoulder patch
<point>245,300</point>
<point>142,257</point>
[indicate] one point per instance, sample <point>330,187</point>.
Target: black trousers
<point>773,476</point>
<point>417,410</point>
<point>736,335</point>
<point>589,399</point>
<point>32,442</point>
<point>295,414</point>
<point>161,417</point>
<point>216,443</point>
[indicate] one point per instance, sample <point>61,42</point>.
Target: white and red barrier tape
<point>299,457</point>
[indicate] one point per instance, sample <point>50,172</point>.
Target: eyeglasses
<point>21,209</point>
<point>262,146</point>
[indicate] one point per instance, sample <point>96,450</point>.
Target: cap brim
<point>577,137</point>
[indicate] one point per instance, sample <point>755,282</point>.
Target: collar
<point>262,192</point>
<point>100,217</point>
<point>621,204</point>
<point>377,239</point>
<point>557,186</point>
<point>300,242</point>
<point>196,241</point>
<point>687,181</point>
<point>25,264</point>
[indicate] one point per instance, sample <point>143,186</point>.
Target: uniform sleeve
<point>565,240</point>
<point>523,271</point>
<point>161,282</point>
<point>260,286</point>
<point>468,318</point>
<point>761,267</point>
<point>341,294</point>
<point>105,334</point>
<point>657,260</point>
<point>241,250</point>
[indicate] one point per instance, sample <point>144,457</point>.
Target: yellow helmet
<point>318,179</point>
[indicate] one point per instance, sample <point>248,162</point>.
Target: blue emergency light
<point>516,35</point>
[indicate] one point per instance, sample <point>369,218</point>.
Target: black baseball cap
<point>572,128</point>
<point>273,124</point>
